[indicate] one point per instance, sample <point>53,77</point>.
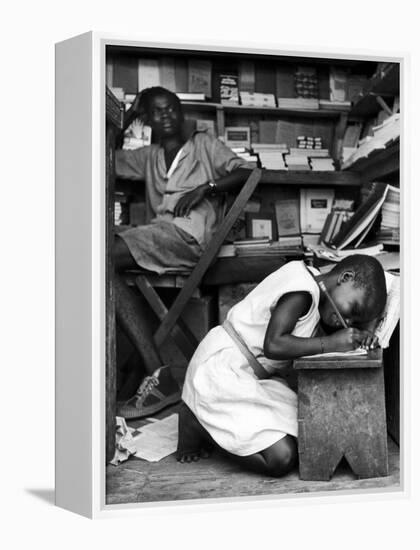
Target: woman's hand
<point>188,201</point>
<point>347,339</point>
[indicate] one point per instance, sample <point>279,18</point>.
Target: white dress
<point>243,414</point>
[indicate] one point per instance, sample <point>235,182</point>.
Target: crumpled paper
<point>125,445</point>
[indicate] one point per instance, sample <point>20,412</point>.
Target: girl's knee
<point>281,457</point>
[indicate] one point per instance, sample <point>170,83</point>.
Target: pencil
<point>327,294</point>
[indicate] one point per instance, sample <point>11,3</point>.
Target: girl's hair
<point>369,275</point>
<point>148,94</point>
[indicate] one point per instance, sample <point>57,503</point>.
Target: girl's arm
<point>279,342</point>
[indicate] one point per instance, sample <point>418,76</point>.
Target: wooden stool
<point>341,412</point>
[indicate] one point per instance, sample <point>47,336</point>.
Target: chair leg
<point>182,335</point>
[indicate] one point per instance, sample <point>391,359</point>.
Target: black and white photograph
<point>252,273</point>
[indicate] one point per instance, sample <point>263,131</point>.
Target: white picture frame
<point>81,275</point>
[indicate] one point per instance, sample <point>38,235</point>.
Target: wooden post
<point>110,335</point>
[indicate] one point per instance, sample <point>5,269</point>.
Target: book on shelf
<point>148,73</point>
<point>267,131</point>
<point>384,135</point>
<point>272,159</point>
<point>291,241</point>
<point>333,223</point>
<point>137,135</point>
<point>298,103</point>
<point>356,229</point>
<point>287,217</point>
<point>265,78</point>
<point>237,136</point>
<point>334,105</point>
<point>257,241</point>
<point>270,147</point>
<point>304,152</point>
<point>119,93</point>
<point>321,164</point>
<point>181,75</point>
<point>246,76</point>
<point>297,162</point>
<point>306,82</point>
<point>257,99</point>
<point>199,76</point>
<point>310,239</point>
<point>125,74</point>
<point>191,96</point>
<point>227,251</point>
<point>315,205</point>
<point>285,81</point>
<point>338,84</point>
<point>229,89</point>
<point>352,134</point>
<point>167,73</point>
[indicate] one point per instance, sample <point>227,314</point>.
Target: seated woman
<point>250,412</point>
<point>184,178</point>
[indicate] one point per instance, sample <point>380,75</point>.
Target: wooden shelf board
<point>277,111</point>
<point>306,177</point>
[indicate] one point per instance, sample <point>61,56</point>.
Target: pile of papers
<point>383,135</point>
<point>152,442</point>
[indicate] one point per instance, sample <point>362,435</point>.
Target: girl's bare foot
<point>193,440</point>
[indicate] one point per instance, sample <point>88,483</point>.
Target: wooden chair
<point>170,322</point>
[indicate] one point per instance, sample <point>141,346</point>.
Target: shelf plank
<point>384,85</point>
<point>306,177</point>
<point>275,111</point>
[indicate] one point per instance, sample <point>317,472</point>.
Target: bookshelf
<point>383,84</point>
<point>366,81</point>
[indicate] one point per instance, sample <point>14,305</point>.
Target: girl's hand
<point>370,341</point>
<point>190,200</point>
<point>347,339</point>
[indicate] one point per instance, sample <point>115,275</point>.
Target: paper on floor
<point>124,442</point>
<point>157,439</point>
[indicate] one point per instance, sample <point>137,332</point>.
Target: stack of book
<point>354,232</point>
<point>306,82</point>
<point>383,135</point>
<point>256,99</point>
<point>252,247</point>
<point>246,154</point>
<point>229,89</point>
<point>329,105</point>
<point>297,162</point>
<point>271,155</point>
<point>321,164</point>
<point>137,135</point>
<point>389,231</point>
<point>266,247</point>
<point>297,103</point>
<point>191,96</point>
<point>309,142</point>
